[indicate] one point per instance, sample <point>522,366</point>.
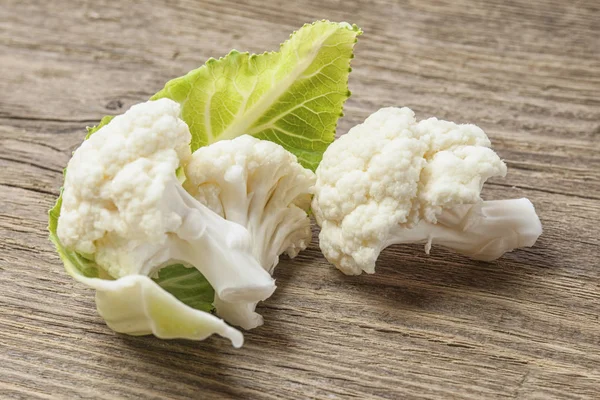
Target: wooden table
<point>526,326</point>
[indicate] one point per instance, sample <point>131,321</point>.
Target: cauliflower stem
<point>220,249</point>
<point>482,231</point>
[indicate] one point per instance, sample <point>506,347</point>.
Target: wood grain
<point>524,327</point>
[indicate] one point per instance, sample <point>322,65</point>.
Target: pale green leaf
<point>188,285</point>
<point>93,129</point>
<point>292,97</point>
<point>136,305</point>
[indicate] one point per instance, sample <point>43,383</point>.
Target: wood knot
<point>114,105</point>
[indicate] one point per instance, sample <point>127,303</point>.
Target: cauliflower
<point>261,186</point>
<point>392,180</point>
<point>124,207</point>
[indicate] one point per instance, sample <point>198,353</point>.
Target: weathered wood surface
<point>526,326</point>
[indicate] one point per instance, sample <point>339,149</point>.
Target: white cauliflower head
<point>114,189</point>
<point>391,175</point>
<point>262,187</point>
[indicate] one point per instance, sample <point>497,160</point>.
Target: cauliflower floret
<point>393,180</point>
<point>123,170</point>
<point>261,186</point>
